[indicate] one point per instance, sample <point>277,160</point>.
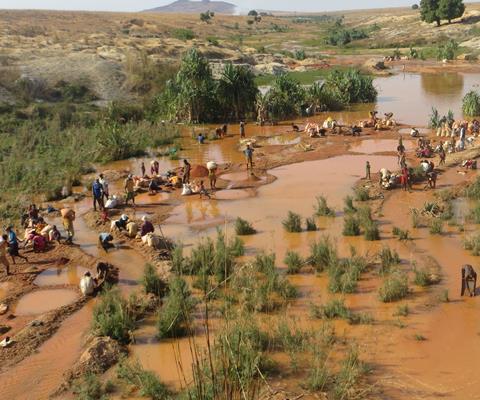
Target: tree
<point>207,16</point>
<point>237,89</point>
<point>450,9</point>
<point>253,13</point>
<point>285,98</point>
<point>191,95</point>
<point>415,7</point>
<point>429,11</point>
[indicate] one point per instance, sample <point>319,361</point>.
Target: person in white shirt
<point>87,284</point>
<point>104,184</point>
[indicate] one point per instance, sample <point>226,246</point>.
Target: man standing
<point>129,190</point>
<point>249,156</point>
<point>367,171</point>
<point>104,184</point>
<point>187,167</point>
<point>242,129</point>
<point>97,192</point>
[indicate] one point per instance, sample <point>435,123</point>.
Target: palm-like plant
<point>237,89</point>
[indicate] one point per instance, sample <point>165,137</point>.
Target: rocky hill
<point>196,7</point>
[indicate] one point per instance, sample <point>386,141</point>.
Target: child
<point>202,191</point>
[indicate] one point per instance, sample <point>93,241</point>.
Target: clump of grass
<point>294,262</point>
<point>291,339</point>
<point>416,220</point>
<point>473,190</point>
<point>293,222</point>
<point>322,209</point>
<point>114,316</point>
<point>436,226</point>
<point>472,244</point>
<point>345,273</point>
<point>351,226</point>
<point>471,104</point>
<point>322,254</point>
<point>243,227</point>
<point>90,388</point>
<point>394,288</point>
<point>151,281</point>
<point>402,311</point>
<point>371,231</point>
<point>420,338</point>
<point>175,316</point>
<point>346,381</point>
<point>400,233</point>
<point>388,259</point>
<point>178,260</point>
<point>361,319</point>
<point>333,309</point>
<point>361,194</point>
<point>311,225</point>
<point>146,382</point>
<point>349,208</point>
<point>423,278</point>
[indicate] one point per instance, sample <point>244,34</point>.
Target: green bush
<point>333,309</point>
<point>311,225</point>
<point>347,380</point>
<point>400,233</point>
<point>345,273</point>
<point>243,227</point>
<point>293,222</point>
<point>436,226</point>
<point>471,104</point>
<point>322,254</point>
<point>371,231</point>
<point>183,34</point>
<point>473,244</point>
<point>361,194</point>
<point>146,382</point>
<point>175,316</point>
<point>394,288</point>
<point>402,311</point>
<point>322,209</point>
<point>448,50</point>
<point>151,281</point>
<point>113,316</point>
<point>351,86</point>
<point>89,388</point>
<point>294,262</point>
<point>351,226</point>
<point>472,191</point>
<point>423,278</point>
<point>388,259</point>
<point>349,208</point>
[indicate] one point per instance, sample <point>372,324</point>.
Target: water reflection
<point>445,83</point>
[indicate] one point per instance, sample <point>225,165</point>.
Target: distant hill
<point>195,7</point>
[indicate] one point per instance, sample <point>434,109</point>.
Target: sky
<point>138,5</point>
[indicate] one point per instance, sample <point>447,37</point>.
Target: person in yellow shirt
<point>129,190</point>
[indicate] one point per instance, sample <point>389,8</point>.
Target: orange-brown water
<point>60,276</point>
<point>42,301</point>
<point>439,367</point>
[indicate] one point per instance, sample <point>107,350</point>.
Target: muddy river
<point>442,366</point>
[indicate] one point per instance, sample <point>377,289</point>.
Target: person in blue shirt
<point>105,241</point>
<point>97,192</point>
<point>13,248</point>
<point>201,138</point>
<point>249,156</point>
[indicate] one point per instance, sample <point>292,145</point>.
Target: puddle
<point>60,276</point>
<point>42,301</point>
<point>372,146</point>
